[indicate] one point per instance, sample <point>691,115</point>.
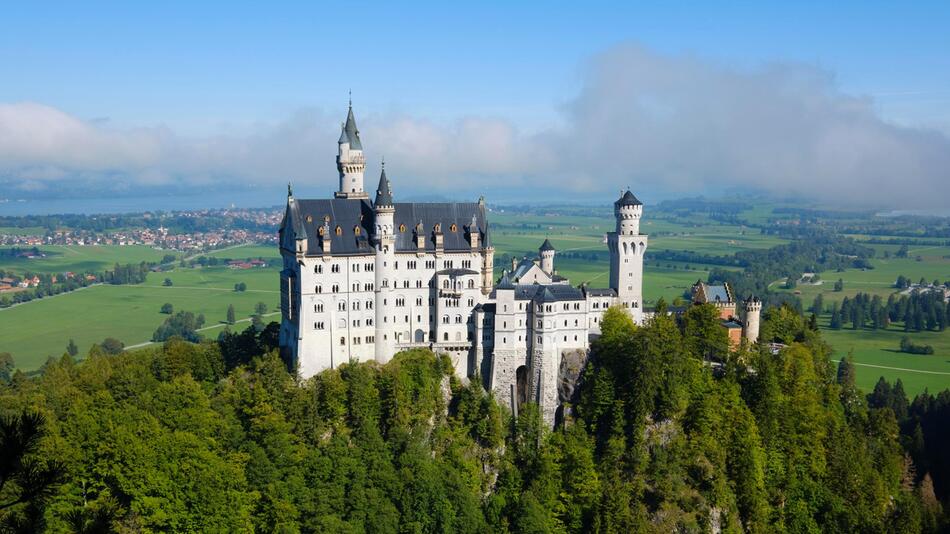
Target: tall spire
<point>384,194</point>
<point>351,131</point>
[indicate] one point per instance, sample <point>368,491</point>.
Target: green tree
<point>230,316</point>
<point>839,285</point>
<point>71,348</point>
<point>260,308</point>
<point>27,481</point>
<point>7,367</point>
<point>112,345</point>
<point>167,308</point>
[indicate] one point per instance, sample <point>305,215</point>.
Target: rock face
<point>572,364</point>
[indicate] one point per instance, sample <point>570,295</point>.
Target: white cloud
<point>646,120</point>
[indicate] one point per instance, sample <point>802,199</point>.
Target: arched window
<point>356,230</point>
<point>471,283</point>
<point>339,230</point>
<point>438,227</point>
<point>320,231</point>
<point>453,228</point>
<point>402,227</point>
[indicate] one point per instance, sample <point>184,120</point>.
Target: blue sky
<point>211,69</point>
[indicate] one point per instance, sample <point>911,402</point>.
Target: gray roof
<point>628,199</point>
<point>351,131</point>
<point>522,268</point>
<point>717,293</point>
<point>384,193</point>
<point>444,214</point>
<point>600,292</point>
<point>546,245</point>
<point>505,282</point>
<point>543,293</point>
<point>306,217</point>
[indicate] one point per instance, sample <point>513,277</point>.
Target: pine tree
<point>231,318</point>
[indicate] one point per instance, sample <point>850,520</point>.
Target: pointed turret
<point>351,131</point>
<point>349,159</point>
<point>384,194</point>
<point>547,257</point>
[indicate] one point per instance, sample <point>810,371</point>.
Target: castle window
<point>453,228</point>
<point>418,301</point>
<point>318,326</point>
<point>402,227</point>
<point>445,336</point>
<point>309,218</point>
<point>339,230</point>
<point>445,319</point>
<point>320,231</point>
<point>318,307</point>
<point>334,268</point>
<point>437,227</point>
<point>471,284</point>
<point>458,319</point>
<point>369,322</point>
<point>341,306</point>
<point>343,340</point>
<point>317,269</point>
<point>318,289</point>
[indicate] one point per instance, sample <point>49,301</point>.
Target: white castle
<point>363,280</point>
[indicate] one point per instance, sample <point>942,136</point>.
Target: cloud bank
<point>642,119</point>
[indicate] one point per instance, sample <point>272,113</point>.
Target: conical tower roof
<point>384,193</point>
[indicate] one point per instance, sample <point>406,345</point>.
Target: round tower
<point>547,252</point>
<point>349,160</point>
<point>753,309</point>
<point>627,248</point>
<point>385,248</point>
<point>627,211</point>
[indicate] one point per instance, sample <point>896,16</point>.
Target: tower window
<point>339,230</point>
<point>402,227</point>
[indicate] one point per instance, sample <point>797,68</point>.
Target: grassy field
<point>875,352</point>
<point>36,330</point>
<point>81,258</point>
<point>875,355</point>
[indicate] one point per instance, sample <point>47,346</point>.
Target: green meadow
<point>36,330</point>
<point>81,258</point>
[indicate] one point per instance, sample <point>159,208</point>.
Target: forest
<point>219,436</point>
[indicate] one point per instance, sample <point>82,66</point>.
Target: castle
<point>365,278</point>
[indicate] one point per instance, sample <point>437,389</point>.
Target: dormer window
<point>356,230</point>
<point>320,231</point>
<point>402,227</point>
<point>453,228</point>
<point>438,227</point>
<point>339,230</point>
<point>309,218</point>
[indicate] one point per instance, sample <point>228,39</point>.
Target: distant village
<point>162,237</point>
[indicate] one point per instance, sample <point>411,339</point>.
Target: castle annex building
<point>366,277</point>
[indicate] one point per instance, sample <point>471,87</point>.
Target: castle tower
<point>750,328</point>
<point>385,244</point>
<point>349,160</point>
<point>627,247</point>
<point>547,257</point>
